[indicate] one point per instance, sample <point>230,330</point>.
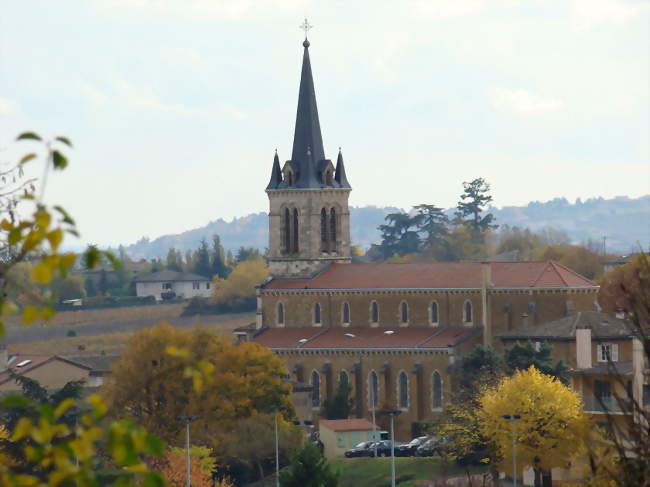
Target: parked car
<point>433,446</point>
<point>360,450</point>
<point>408,449</point>
<point>383,448</point>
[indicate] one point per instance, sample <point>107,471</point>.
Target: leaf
<point>42,273</point>
<point>55,237</point>
<point>14,401</point>
<point>63,407</point>
<point>27,158</point>
<point>59,160</point>
<point>91,257</point>
<point>28,136</point>
<point>63,139</point>
<point>66,216</point>
<point>22,429</point>
<point>30,314</point>
<point>153,479</point>
<point>5,225</point>
<point>15,234</point>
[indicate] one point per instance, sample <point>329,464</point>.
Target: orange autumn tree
<point>172,467</point>
<point>154,387</point>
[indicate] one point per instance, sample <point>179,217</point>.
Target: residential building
<point>339,435</point>
<point>168,284</point>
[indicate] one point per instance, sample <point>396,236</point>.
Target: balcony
<point>609,404</point>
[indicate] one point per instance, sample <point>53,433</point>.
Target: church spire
<point>307,136</point>
<point>276,173</point>
<point>339,175</point>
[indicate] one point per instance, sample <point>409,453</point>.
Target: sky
<point>175,107</point>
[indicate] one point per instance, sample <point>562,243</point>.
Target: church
<point>392,331</point>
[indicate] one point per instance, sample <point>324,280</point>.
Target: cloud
<point>522,102</point>
<point>7,107</point>
<point>591,13</point>
<point>448,8</point>
<point>235,113</point>
<point>144,97</point>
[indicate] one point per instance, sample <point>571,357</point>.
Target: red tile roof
<point>35,361</point>
<point>355,424</point>
<point>437,275</point>
<point>362,338</point>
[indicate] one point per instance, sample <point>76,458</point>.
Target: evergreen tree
<point>174,260</point>
<point>247,253</point>
<point>202,265</point>
<point>219,267</point>
<point>471,206</point>
<point>156,265</point>
<point>433,222</point>
<point>91,289</point>
<point>309,468</point>
<point>483,366</point>
<point>522,357</point>
<point>398,235</point>
<point>339,406</point>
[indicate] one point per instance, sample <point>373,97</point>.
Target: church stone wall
<point>505,308</point>
<point>418,365</point>
<point>309,259</point>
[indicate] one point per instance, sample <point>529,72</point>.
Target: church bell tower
<point>309,220</point>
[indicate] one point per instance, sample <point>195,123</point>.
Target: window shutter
<point>614,352</point>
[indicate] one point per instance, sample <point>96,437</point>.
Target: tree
<point>309,468</point>
<point>238,291</point>
<point>218,258</point>
<point>483,367</point>
<point>103,282</point>
<point>621,283</point>
<point>550,431</point>
<point>247,253</point>
<point>174,260</point>
<point>202,466</point>
<point>260,428</point>
<point>522,357</point>
<point>433,222</point>
<point>202,265</point>
<point>476,194</point>
<point>398,236</point>
<point>72,287</point>
<point>339,406</point>
<point>195,372</point>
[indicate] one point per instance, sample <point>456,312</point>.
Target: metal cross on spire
<point>306,26</point>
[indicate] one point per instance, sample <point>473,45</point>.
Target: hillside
<point>625,222</point>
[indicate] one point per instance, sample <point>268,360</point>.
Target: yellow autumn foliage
<point>551,430</point>
<point>240,284</point>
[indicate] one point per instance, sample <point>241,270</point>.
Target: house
<point>339,435</point>
<point>170,284</point>
<point>51,371</point>
<point>606,366</point>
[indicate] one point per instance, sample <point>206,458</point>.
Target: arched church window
<point>404,312</point>
<point>280,314</point>
<point>403,390</point>
<point>332,235</point>
<point>315,392</point>
<point>295,233</point>
<point>345,314</point>
<point>374,312</point>
<point>436,391</point>
<point>373,390</point>
<point>317,321</point>
<point>287,231</point>
<point>467,312</point>
<point>434,313</point>
<point>323,230</point>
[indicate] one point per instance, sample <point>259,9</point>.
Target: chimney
<point>524,320</point>
<point>583,348</point>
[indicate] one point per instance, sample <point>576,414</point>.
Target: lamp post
<point>392,413</point>
<point>277,452</point>
<point>512,419</point>
<point>187,420</point>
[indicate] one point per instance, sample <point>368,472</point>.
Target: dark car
<point>408,449</point>
<point>383,448</point>
<point>433,446</point>
<point>360,450</point>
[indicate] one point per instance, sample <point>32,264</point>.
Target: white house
<point>173,284</point>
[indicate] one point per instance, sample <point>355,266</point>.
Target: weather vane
<point>306,26</point>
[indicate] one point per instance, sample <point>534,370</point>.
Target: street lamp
<point>392,413</point>
<point>513,418</point>
<point>187,420</point>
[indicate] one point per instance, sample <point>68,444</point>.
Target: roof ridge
<point>435,334</point>
<point>554,265</point>
<point>563,267</point>
<point>539,276</point>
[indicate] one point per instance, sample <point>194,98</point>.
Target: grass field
<point>409,472</point>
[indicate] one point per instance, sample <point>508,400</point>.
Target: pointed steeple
<point>276,173</point>
<point>307,135</point>
<point>339,175</point>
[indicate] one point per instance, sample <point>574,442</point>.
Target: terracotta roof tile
<point>437,275</point>
<point>355,338</point>
<point>354,424</point>
<point>33,361</point>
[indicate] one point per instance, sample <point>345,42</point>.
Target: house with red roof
<point>392,332</point>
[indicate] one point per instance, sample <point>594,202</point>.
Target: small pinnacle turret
<point>339,175</point>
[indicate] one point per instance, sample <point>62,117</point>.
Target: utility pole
<point>392,413</point>
<point>187,420</point>
<point>512,419</point>
<point>604,244</point>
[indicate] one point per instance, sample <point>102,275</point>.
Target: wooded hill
<point>624,221</point>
